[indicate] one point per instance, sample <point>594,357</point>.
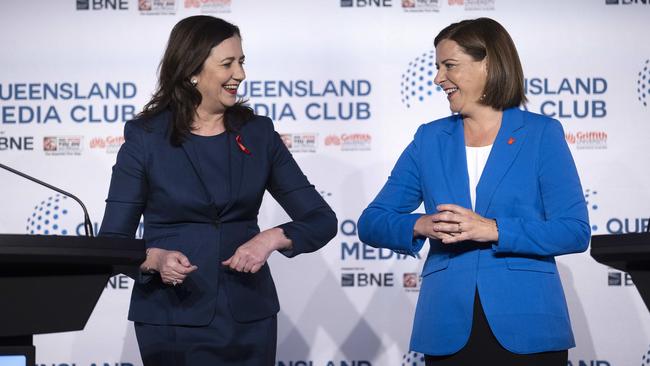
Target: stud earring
<point>193,81</point>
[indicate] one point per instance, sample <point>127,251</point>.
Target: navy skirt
<point>222,342</point>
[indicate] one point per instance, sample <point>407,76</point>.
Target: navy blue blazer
<point>531,187</point>
<point>162,182</point>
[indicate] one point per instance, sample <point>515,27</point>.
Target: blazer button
<point>217,222</point>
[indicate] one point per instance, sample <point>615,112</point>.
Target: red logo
<point>332,140</point>
<point>587,140</point>
<point>109,143</point>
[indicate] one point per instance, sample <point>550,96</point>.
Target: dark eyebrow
<point>231,59</point>
<point>448,59</point>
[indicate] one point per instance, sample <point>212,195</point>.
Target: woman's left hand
<point>464,224</point>
<point>252,255</point>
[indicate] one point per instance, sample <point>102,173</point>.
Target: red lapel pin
<point>241,145</point>
<point>511,141</point>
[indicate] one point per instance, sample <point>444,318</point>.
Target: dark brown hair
<point>188,47</point>
<point>484,37</point>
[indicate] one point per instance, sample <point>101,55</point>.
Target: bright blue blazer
<point>164,183</point>
<point>531,187</point>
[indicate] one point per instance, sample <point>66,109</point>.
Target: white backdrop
<point>333,75</point>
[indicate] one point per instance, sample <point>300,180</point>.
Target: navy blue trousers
<point>222,342</point>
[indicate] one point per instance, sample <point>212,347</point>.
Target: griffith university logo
<point>590,195</point>
<point>643,84</point>
<point>47,217</point>
<point>417,82</point>
<point>413,359</point>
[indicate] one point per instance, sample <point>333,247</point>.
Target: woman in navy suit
<point>502,199</point>
<point>196,163</point>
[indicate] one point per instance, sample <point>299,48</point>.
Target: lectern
<point>628,253</point>
<point>52,283</point>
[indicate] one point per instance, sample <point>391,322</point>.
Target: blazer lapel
<point>192,156</point>
<point>236,169</point>
<point>452,151</point>
<point>508,143</point>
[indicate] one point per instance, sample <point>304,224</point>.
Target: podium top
<point>621,250</point>
<point>15,248</point>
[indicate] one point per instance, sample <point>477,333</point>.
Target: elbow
<point>584,237</point>
<point>364,228</point>
<point>331,225</point>
<point>581,236</point>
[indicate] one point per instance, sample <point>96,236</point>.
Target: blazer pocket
<point>545,265</point>
<point>435,263</point>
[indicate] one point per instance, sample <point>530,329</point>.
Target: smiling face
<point>460,76</point>
<point>221,74</point>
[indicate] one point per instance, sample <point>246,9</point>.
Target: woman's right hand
<point>424,227</point>
<point>173,266</point>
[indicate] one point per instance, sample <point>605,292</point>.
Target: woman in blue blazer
<point>502,199</point>
<point>196,164</point>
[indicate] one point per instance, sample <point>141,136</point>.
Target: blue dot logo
<point>417,81</point>
<point>590,196</point>
<point>645,359</point>
<point>643,84</point>
<point>47,216</point>
<point>413,359</point>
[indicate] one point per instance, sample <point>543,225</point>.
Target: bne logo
<point>619,279</point>
<point>102,4</point>
<point>366,3</point>
<point>21,143</point>
<point>363,279</point>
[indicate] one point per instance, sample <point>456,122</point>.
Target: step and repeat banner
<point>347,83</point>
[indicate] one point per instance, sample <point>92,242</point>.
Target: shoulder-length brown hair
<point>484,37</point>
<point>188,47</point>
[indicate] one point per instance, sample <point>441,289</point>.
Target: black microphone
<point>88,227</point>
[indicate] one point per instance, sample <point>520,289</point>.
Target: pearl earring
<point>193,81</point>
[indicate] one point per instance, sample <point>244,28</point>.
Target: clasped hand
<point>172,265</point>
<point>453,224</point>
<point>252,255</point>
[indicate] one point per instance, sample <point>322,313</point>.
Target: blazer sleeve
<point>565,226</point>
<point>128,189</point>
<point>388,221</point>
<point>313,223</point>
<point>127,192</point>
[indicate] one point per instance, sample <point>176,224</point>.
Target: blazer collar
<point>452,152</point>
<point>506,146</point>
<point>236,170</point>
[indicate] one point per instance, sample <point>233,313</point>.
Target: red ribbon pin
<point>511,141</point>
<point>241,145</point>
